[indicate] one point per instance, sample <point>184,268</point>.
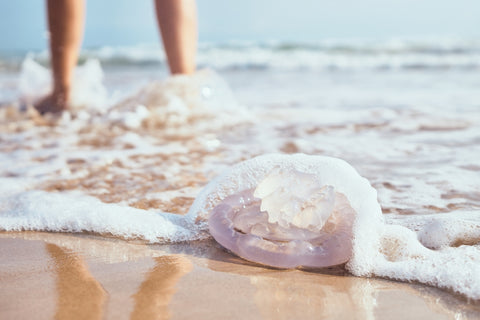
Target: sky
<point>129,22</point>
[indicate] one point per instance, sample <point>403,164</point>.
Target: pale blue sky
<point>128,22</point>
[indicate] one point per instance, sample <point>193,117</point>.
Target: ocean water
<point>138,149</point>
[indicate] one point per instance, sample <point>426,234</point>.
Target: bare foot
<point>53,103</point>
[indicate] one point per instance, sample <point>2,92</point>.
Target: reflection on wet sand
<point>80,296</point>
<point>297,294</point>
<point>334,294</point>
<point>292,294</point>
<point>156,292</point>
<point>301,294</point>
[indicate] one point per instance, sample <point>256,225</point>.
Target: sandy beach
<point>47,275</point>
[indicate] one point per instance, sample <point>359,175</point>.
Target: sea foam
<point>88,91</point>
<point>327,55</point>
<point>379,249</point>
<point>395,248</point>
<point>46,211</point>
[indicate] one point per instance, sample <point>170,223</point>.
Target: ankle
<point>61,95</point>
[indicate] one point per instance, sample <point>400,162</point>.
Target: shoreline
<point>46,274</point>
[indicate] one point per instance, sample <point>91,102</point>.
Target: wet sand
<point>65,276</point>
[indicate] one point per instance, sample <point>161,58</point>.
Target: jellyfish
<point>290,219</point>
<point>295,210</point>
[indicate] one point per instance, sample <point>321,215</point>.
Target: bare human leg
<point>177,20</point>
<point>65,22</point>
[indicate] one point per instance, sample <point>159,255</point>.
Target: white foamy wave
<point>380,249</point>
<point>46,211</point>
<point>88,90</point>
<point>325,55</point>
<point>175,104</point>
<point>442,230</point>
<point>340,57</point>
<point>181,101</point>
<point>329,55</point>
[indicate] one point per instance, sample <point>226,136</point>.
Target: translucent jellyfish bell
<point>290,219</point>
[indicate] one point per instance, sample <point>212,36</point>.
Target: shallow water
<point>135,150</point>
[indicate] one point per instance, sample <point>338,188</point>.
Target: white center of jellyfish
<point>293,198</point>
